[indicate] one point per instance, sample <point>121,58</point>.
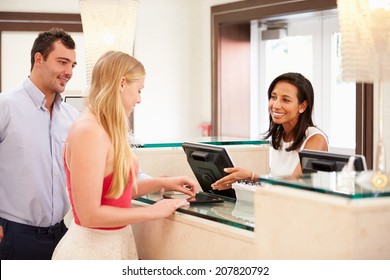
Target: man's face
<point>57,69</point>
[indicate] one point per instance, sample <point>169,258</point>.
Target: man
<point>34,123</point>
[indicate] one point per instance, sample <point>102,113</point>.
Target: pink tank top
<point>124,201</point>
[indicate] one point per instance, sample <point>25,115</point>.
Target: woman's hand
<point>166,207</point>
<point>235,173</point>
<point>183,184</point>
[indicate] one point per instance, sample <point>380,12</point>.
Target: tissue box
<point>245,191</point>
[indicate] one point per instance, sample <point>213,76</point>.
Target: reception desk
<point>314,217</point>
<point>169,159</point>
<point>322,216</point>
<point>207,233</point>
<point>200,232</point>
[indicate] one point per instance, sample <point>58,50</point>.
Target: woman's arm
<point>182,184</point>
<point>315,142</point>
<point>235,173</point>
<point>90,159</point>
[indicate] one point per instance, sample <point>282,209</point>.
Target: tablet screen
<point>199,198</point>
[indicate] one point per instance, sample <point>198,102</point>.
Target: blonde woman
<point>101,168</point>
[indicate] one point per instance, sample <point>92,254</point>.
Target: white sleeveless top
<point>283,163</point>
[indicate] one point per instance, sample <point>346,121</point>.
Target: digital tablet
<point>199,198</point>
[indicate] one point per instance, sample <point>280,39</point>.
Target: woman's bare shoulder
<point>317,142</point>
<point>88,132</point>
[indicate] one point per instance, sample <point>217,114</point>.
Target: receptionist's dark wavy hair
<point>305,92</point>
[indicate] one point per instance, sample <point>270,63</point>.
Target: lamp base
<point>379,180</point>
<point>374,180</point>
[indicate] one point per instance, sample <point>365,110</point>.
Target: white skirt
<point>81,243</point>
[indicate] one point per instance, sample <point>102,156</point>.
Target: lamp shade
<point>365,39</point>
<point>107,25</point>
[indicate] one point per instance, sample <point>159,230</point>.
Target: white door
<point>311,47</point>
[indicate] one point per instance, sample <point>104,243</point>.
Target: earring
<point>301,111</point>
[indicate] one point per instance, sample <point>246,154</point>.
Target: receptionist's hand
<point>235,173</point>
<point>183,184</point>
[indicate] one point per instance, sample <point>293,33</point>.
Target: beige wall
<point>177,96</point>
<point>173,42</point>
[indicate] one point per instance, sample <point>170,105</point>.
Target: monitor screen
<point>79,102</point>
<point>207,162</point>
<point>312,161</point>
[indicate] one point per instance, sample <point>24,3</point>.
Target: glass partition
<point>240,214</point>
<point>214,140</point>
<point>352,185</point>
<point>236,214</point>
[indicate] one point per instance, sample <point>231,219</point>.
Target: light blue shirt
<point>32,178</point>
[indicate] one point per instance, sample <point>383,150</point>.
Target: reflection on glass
<point>345,183</point>
<point>244,211</point>
<point>213,140</point>
<point>224,213</point>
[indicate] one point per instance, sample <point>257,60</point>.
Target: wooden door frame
<point>12,21</point>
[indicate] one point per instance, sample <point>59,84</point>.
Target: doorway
<point>308,43</point>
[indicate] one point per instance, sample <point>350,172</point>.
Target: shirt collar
<point>58,99</point>
<point>37,96</point>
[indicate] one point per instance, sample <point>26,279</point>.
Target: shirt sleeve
<point>4,118</point>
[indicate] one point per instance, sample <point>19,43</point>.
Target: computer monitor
<point>313,160</point>
<point>79,102</point>
<point>207,162</point>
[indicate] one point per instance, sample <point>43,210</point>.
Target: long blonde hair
<point>106,104</point>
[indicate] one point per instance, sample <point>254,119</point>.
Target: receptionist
<point>291,129</point>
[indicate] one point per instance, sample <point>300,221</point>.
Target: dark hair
<point>305,92</point>
<point>44,43</point>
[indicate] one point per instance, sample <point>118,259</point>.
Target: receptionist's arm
<point>235,173</point>
<point>315,142</point>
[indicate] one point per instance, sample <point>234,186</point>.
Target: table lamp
<point>365,57</point>
<point>107,25</point>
